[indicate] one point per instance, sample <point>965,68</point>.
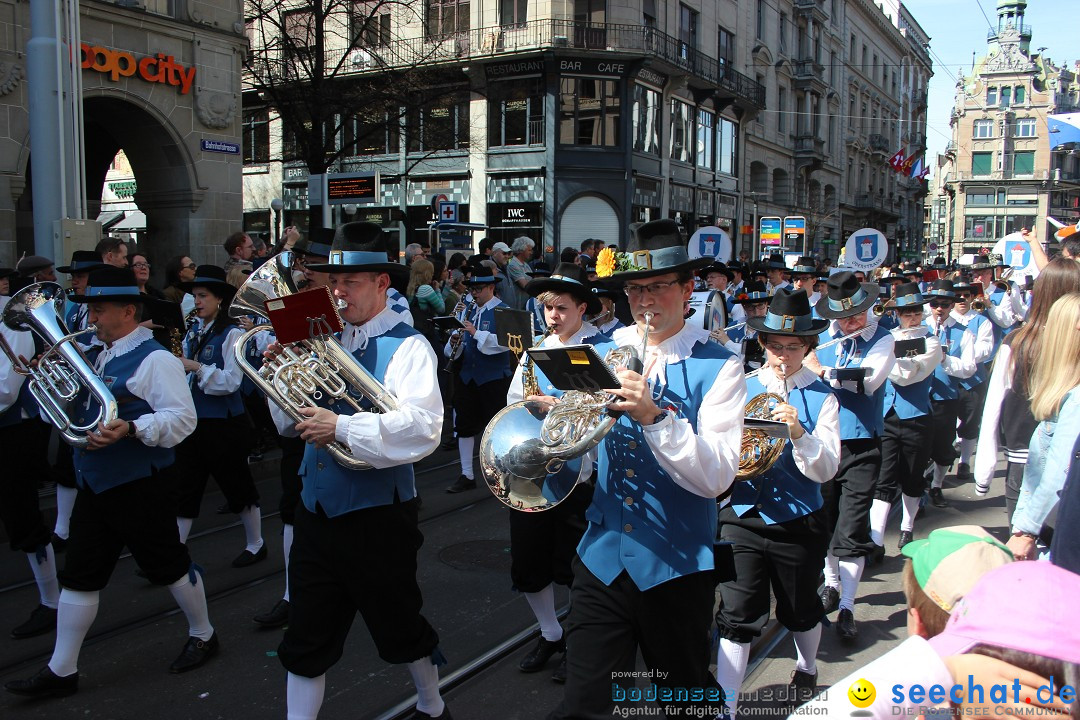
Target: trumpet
<point>457,338</point>
<point>879,309</point>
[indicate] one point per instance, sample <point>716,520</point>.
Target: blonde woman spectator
<point>421,290</point>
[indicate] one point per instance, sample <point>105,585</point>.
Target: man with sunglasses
<point>972,392</point>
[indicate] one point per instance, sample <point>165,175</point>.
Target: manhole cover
<point>477,555</point>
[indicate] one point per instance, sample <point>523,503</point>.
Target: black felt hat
<point>83,261</point>
<point>789,314</point>
<point>752,291</point>
<point>211,277</point>
<point>6,272</point>
<point>714,267</point>
<point>657,248</point>
<point>907,295</point>
<point>845,296</point>
<point>539,269</point>
<point>111,284</point>
<point>981,262</point>
<point>805,266</point>
<point>776,262</point>
<point>568,278</point>
<point>942,289</point>
<point>362,247</point>
<point>304,247</point>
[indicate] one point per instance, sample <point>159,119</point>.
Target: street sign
<point>769,229</point>
<point>448,211</point>
<point>794,231</point>
<point>866,249</point>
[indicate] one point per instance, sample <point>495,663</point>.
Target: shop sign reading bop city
<point>117,64</point>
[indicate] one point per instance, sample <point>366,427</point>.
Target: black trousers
<point>607,625</point>
<point>292,454</point>
<point>22,447</point>
<point>363,561</point>
<point>543,545</point>
<point>218,447</point>
<point>969,411</point>
<point>943,431</point>
<point>848,497</point>
<point>1014,480</point>
<point>475,405</point>
<point>905,451</point>
<point>141,515</point>
<point>754,557</point>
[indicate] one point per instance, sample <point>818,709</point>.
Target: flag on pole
<point>916,169</point>
<point>905,169</point>
<point>897,160</point>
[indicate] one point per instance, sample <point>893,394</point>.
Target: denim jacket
<point>1048,463</point>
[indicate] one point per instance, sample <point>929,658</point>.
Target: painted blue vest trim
<point>861,416</point>
<point>982,371</point>
<point>476,367</point>
<point>212,353</point>
<point>945,386</point>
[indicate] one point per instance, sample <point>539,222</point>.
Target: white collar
<point>774,384</point>
<point>587,330</point>
<point>355,337</point>
<point>932,322</point>
<point>962,319</point>
<point>607,327</point>
<point>493,302</point>
<point>129,342</point>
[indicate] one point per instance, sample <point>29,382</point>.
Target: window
<point>590,11</point>
<point>1025,128</point>
<point>725,47</point>
<point>832,69</point>
<point>761,19</point>
<point>442,124</point>
<point>727,146</point>
<point>688,30</point>
<point>991,96</point>
<point>446,17</point>
<point>256,136</point>
<point>982,163</point>
<point>982,129</point>
<point>851,48</point>
<point>589,112</point>
<point>648,13</point>
<point>781,110</point>
<point>513,12</point>
<point>1023,163</point>
<point>368,27</point>
<point>516,113</point>
<point>783,33</point>
<point>863,67</point>
<point>1018,95</point>
<point>299,42</point>
<point>1006,93</point>
<point>682,131</point>
<point>373,132</point>
<point>980,196</point>
<point>705,140</point>
<point>646,120</point>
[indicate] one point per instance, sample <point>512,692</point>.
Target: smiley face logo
<point>861,693</point>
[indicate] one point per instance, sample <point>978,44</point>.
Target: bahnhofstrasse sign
<point>159,68</point>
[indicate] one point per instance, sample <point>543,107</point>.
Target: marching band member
<point>644,574</point>
<point>893,279</point>
<point>221,441</point>
<point>717,277</point>
<point>122,500</point>
<point>753,302</point>
<point>957,363</point>
<point>738,271</point>
<point>606,321</point>
<point>772,531</point>
<point>1004,308</point>
<point>803,277</point>
<point>905,447</point>
<point>775,267</point>
<point>356,536</point>
<point>542,545</point>
<point>540,269</point>
<point>848,496</point>
<point>972,393</point>
<point>482,376</point>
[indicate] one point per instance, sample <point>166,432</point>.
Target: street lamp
<point>755,240</point>
<point>276,205</point>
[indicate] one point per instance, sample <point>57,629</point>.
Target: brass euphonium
<point>309,372</point>
<point>62,371</point>
<point>758,450</point>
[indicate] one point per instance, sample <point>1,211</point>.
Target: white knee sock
<point>832,571</point>
<point>304,696</point>
<point>286,544</point>
<point>184,526</point>
<point>76,613</point>
<point>192,600</point>
<point>65,500</point>
<point>850,574</point>
<point>543,607</point>
<point>879,515</point>
<point>252,519</point>
<point>731,659</point>
<point>911,507</point>
<point>44,569</point>
<point>806,646</point>
<point>967,449</point>
<point>939,475</point>
<point>425,676</point>
<point>465,447</point>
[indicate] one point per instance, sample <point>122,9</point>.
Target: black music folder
<point>909,348</point>
<point>447,322</point>
<point>574,367</point>
<point>165,313</point>
<point>514,328</point>
<point>851,374</point>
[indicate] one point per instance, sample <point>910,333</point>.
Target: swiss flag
<point>897,161</point>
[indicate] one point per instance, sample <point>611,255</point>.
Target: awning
<point>108,218</point>
<point>134,221</point>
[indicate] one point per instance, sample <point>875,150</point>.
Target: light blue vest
<point>212,353</point>
<point>945,386</point>
<point>71,316</point>
<point>640,521</point>
<point>982,371</point>
<point>861,415</point>
<point>338,490</point>
<point>909,401</point>
<point>477,367</point>
<point>127,459</point>
<point>783,493</point>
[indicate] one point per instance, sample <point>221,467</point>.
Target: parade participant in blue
<point>905,447</point>
<point>23,445</point>
<point>803,277</point>
<point>775,267</point>
<point>868,347</point>
<point>482,376</point>
<point>972,393</point>
<point>356,534</point>
<point>605,321</point>
<point>892,278</point>
<point>740,272</point>
<point>717,277</point>
<point>644,577</point>
<point>772,528</point>
<point>222,439</point>
<point>543,544</point>
<point>957,363</point>
<point>913,274</point>
<point>752,302</point>
<point>1004,306</point>
<point>122,500</point>
<point>539,270</point>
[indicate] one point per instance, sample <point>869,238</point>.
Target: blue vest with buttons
<point>945,386</point>
<point>212,353</point>
<point>861,415</point>
<point>338,490</point>
<point>71,319</point>
<point>640,521</point>
<point>909,401</point>
<point>982,372</point>
<point>478,367</point>
<point>783,493</point>
<point>127,459</point>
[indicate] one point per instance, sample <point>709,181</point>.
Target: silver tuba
<point>527,443</point>
<point>62,371</point>
<point>308,371</point>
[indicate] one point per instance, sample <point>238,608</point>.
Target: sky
<point>957,28</point>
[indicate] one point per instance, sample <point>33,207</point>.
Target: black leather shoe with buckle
<point>845,625</point>
<point>277,617</point>
<point>802,687</point>
<point>937,498</point>
<point>247,557</point>
<point>42,620</point>
<point>906,536</point>
<point>461,485</point>
<point>45,684</point>
<point>830,599</point>
<point>195,654</point>
<point>538,656</point>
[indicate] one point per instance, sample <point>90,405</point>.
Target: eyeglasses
<point>189,266</point>
<point>141,266</point>
<point>962,298</point>
<point>941,303</point>
<point>652,288</point>
<point>777,348</point>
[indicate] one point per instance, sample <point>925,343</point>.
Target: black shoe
<point>277,617</point>
<point>538,657</point>
<point>249,558</point>
<point>223,509</point>
<point>463,483</point>
<point>830,599</point>
<point>963,472</point>
<point>876,556</point>
<point>42,620</point>
<point>559,675</point>
<point>905,538</point>
<point>195,653</point>
<point>938,499</point>
<point>845,625</point>
<point>58,543</point>
<point>802,687</point>
<point>420,715</point>
<point>45,684</point>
